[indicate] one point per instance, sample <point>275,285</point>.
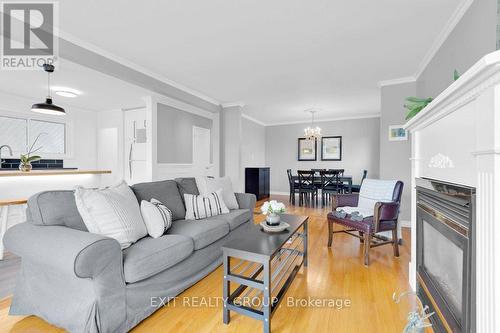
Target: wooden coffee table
<point>263,265</point>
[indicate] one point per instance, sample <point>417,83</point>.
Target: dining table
<point>346,179</point>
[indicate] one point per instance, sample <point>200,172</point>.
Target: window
<point>20,133</point>
<point>13,132</point>
<point>52,136</point>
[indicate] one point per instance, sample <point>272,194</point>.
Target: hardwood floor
<point>332,273</point>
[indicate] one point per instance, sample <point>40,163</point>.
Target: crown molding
<point>401,80</point>
<point>232,105</point>
<point>366,116</point>
<point>252,119</point>
<point>443,35</point>
<point>91,47</point>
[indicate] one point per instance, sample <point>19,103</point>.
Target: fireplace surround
<point>456,139</point>
<point>445,252</point>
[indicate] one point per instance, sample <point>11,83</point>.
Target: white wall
<point>360,149</point>
<point>110,145</point>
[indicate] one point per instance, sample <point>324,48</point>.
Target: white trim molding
<point>401,80</point>
<point>247,117</point>
<point>232,105</point>
<point>443,35</point>
<point>366,116</point>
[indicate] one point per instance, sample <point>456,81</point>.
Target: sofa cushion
<point>187,186</point>
<point>203,232</point>
<point>55,208</point>
<point>237,217</point>
<point>165,191</point>
<point>150,256</point>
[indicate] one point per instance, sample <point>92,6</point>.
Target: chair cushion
<point>150,256</point>
<point>366,225</point>
<point>237,217</point>
<point>203,232</point>
<point>166,192</point>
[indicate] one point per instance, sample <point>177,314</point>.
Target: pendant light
<point>48,107</point>
<point>312,132</point>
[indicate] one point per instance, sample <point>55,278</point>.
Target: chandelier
<point>312,132</point>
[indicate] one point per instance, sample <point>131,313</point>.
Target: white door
<point>201,151</point>
<point>135,138</point>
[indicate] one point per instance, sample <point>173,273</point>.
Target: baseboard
<point>405,224</point>
<point>279,193</point>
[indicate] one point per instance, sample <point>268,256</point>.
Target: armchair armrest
<point>246,200</point>
<point>342,200</point>
<point>66,250</point>
<point>385,211</point>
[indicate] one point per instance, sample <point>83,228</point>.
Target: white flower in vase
<point>272,209</point>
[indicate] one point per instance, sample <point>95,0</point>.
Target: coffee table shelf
<point>267,265</point>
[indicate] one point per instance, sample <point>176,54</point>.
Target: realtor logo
<point>28,36</point>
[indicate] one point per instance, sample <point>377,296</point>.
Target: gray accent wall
<point>360,149</point>
<point>175,134</point>
<point>473,37</point>
<point>395,155</point>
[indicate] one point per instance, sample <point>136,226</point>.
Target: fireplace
<point>445,253</point>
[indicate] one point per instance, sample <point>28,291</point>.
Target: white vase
<point>272,219</point>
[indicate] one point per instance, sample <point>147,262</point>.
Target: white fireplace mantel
<point>456,138</point>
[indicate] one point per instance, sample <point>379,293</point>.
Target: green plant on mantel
<point>415,105</point>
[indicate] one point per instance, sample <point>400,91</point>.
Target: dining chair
<point>308,191</point>
<point>356,188</point>
<point>330,184</point>
<point>294,186</point>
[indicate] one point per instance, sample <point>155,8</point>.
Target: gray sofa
<point>84,282</point>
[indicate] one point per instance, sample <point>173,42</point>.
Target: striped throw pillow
<point>157,217</point>
<point>202,206</point>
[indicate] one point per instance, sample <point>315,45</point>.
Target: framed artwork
<point>306,149</point>
<point>331,148</point>
<point>397,133</point>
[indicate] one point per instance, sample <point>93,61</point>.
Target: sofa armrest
<point>342,200</point>
<point>65,250</point>
<point>246,201</point>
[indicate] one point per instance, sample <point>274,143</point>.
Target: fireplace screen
<point>443,262</point>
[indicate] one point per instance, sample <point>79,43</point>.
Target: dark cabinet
<point>257,182</point>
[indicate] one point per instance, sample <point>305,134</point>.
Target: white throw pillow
<point>200,206</point>
<point>113,212</point>
<point>157,217</point>
<point>209,185</point>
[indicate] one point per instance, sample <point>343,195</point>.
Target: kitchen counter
<point>49,172</point>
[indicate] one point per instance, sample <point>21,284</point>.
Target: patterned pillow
<point>157,217</point>
<point>200,206</point>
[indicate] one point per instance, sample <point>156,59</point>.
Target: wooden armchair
<point>379,202</point>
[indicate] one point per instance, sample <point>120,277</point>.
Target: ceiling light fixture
<point>65,93</point>
<point>312,132</point>
<point>48,107</point>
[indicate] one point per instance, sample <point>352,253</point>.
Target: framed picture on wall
<point>397,133</point>
<point>331,148</point>
<point>306,149</point>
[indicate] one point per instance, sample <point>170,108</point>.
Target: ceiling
<point>99,92</point>
<point>278,57</point>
